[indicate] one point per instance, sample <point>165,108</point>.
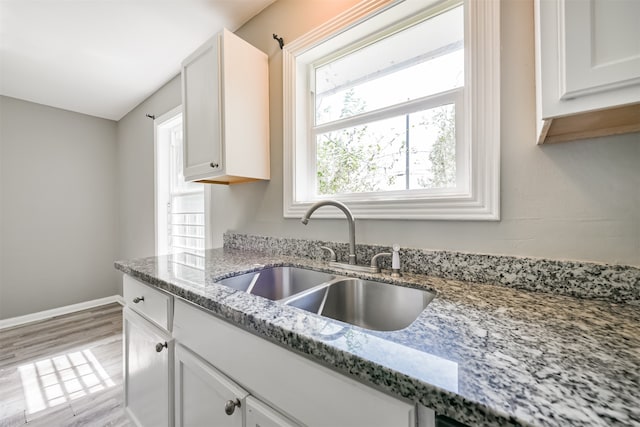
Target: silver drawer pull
<point>160,346</point>
<point>138,299</point>
<point>230,406</point>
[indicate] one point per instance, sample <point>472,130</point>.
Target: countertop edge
<point>349,364</point>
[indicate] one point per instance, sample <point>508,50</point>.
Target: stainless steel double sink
<point>365,303</point>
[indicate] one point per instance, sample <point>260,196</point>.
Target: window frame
<point>479,198</point>
<point>162,184</point>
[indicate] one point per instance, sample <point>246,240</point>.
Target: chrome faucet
<point>373,268</point>
<point>350,220</point>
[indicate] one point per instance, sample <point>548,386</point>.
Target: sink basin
<point>278,282</point>
<point>365,303</point>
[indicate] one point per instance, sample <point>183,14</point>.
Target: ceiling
<point>104,57</point>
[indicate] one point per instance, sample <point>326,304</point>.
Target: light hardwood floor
<point>64,371</point>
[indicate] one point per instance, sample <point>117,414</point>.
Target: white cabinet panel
<point>225,90</point>
<point>601,46</point>
<point>260,415</point>
<point>148,357</point>
<point>588,58</point>
<point>302,389</point>
<point>201,102</point>
<point>246,108</point>
<point>203,393</point>
<point>587,68</point>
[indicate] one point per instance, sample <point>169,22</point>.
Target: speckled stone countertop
<point>484,355</point>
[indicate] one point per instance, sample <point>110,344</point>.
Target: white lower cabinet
<point>225,376</point>
<point>260,415</point>
<point>148,359</point>
<point>206,397</point>
<point>306,392</point>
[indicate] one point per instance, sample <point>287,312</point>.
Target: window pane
<point>412,151</point>
<point>422,60</point>
<point>432,148</point>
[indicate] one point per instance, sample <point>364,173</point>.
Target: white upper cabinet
<point>607,60</point>
<point>225,97</point>
<point>587,65</point>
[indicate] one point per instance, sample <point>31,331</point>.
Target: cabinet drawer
<point>150,303</point>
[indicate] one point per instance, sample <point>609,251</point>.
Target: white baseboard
<point>47,314</point>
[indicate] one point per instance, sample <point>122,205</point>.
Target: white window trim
<point>160,199</point>
<point>482,97</point>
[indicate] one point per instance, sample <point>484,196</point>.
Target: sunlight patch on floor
<point>50,382</point>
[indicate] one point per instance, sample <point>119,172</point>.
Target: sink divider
<point>324,300</point>
<point>253,282</point>
<point>325,285</point>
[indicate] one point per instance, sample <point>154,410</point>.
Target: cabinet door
<point>260,415</point>
<point>201,100</point>
<point>147,372</point>
<point>588,55</point>
<point>302,389</point>
<point>204,396</point>
<point>602,46</point>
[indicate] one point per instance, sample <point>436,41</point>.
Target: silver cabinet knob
<point>230,406</point>
<point>138,299</point>
<point>213,165</point>
<point>160,346</point>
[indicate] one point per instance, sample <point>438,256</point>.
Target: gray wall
<point>136,187</point>
<point>136,144</point>
<point>578,200</point>
<point>58,223</point>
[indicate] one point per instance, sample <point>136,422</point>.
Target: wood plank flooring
<point>64,371</point>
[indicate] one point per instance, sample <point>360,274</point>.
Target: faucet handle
<point>331,252</point>
<point>374,260</point>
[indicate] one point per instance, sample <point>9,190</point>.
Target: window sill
<point>445,208</point>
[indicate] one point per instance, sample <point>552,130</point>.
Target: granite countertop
<point>484,355</point>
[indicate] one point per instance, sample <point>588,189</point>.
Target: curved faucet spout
<point>350,220</point>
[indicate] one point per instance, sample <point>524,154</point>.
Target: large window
<point>382,112</point>
<point>385,114</point>
<point>180,212</point>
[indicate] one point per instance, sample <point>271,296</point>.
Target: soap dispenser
<point>395,261</point>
